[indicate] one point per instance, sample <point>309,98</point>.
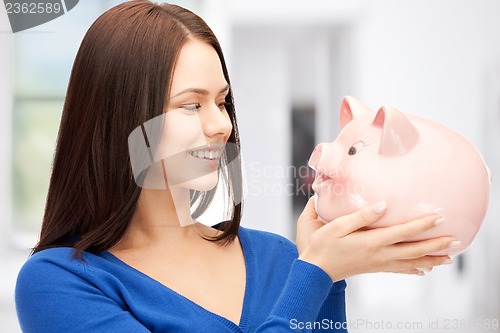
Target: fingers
<point>401,232</point>
<point>418,249</point>
<point>426,261</point>
<point>414,271</point>
<point>425,269</point>
<point>359,219</point>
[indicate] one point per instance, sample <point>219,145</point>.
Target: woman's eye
<point>222,105</point>
<point>356,148</point>
<point>192,107</point>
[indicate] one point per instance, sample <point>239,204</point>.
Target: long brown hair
<point>120,79</point>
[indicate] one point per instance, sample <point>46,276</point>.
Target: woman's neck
<point>163,218</point>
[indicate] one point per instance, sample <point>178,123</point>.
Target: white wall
<point>428,57</point>
<point>264,122</point>
<point>6,73</point>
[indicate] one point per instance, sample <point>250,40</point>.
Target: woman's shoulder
<point>267,241</point>
<point>57,256</point>
<point>57,292</point>
<point>50,266</point>
<point>60,267</point>
<point>264,235</point>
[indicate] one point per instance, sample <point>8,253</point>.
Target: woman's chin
<point>204,183</point>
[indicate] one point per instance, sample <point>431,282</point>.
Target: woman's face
<point>196,123</point>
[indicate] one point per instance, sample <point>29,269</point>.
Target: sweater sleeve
<point>52,298</point>
<point>308,294</point>
<point>333,312</point>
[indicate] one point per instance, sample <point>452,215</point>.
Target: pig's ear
<point>351,109</point>
<point>398,133</point>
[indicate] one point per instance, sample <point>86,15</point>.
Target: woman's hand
<point>342,249</point>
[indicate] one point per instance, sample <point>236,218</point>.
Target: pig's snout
<point>315,156</point>
<point>322,158</point>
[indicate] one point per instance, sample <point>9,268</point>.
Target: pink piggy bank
<point>417,166</point>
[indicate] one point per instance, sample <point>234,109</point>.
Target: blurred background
<point>291,62</point>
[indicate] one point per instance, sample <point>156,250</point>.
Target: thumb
<point>307,224</point>
<point>363,217</point>
<point>309,212</point>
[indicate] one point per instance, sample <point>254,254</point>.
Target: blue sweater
<point>56,293</point>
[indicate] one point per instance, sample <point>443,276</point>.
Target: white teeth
<point>206,154</point>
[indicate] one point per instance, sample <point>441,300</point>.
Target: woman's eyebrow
<point>200,91</point>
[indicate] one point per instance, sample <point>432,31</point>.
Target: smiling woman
<point>110,93</point>
<point>120,250</point>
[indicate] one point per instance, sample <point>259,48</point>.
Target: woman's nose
<point>217,123</point>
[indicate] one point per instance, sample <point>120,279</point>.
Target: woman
<point>119,250</point>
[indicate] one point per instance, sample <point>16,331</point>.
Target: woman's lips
<point>208,155</point>
<point>211,151</point>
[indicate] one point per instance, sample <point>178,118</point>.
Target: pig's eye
<point>356,148</point>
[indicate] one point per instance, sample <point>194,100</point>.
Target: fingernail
<point>420,273</point>
<point>425,269</point>
<point>447,261</point>
<point>438,221</point>
<point>379,207</point>
<point>454,244</point>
